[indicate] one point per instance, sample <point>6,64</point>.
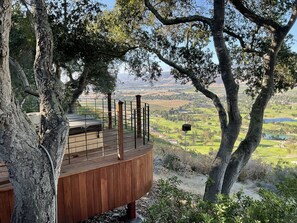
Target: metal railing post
<point>109,110</point>
<point>115,111</point>
<point>125,106</point>
<point>103,121</point>
<point>138,111</point>
<point>131,114</point>
<point>69,155</point>
<point>135,131</point>
<point>86,136</point>
<point>148,122</point>
<point>120,131</point>
<point>96,108</point>
<point>143,122</point>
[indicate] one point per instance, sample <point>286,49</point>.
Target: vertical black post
<point>109,110</point>
<point>125,104</point>
<point>103,121</point>
<point>131,114</point>
<point>148,123</point>
<point>95,108</point>
<point>68,150</point>
<point>138,110</point>
<point>135,130</point>
<point>143,127</point>
<point>86,136</point>
<point>115,111</point>
<point>120,131</point>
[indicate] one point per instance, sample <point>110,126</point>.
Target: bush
<point>282,179</point>
<point>177,159</point>
<point>175,205</point>
<point>255,170</point>
<point>172,162</point>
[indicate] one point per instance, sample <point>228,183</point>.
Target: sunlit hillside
<point>173,105</point>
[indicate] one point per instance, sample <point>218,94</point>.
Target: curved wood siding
<point>85,192</point>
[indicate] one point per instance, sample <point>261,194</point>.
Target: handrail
<point>132,123</point>
<point>99,133</point>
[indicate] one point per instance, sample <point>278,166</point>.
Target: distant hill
<point>126,80</point>
<point>166,80</point>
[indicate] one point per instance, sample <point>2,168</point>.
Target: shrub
<point>172,162</point>
<point>255,170</point>
<point>176,158</point>
<point>175,205</point>
<point>172,202</point>
<point>282,179</point>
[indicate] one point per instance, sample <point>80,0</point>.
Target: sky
<point>110,5</point>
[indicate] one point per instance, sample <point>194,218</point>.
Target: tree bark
<point>54,127</point>
<point>253,137</point>
<point>30,174</point>
<point>21,148</point>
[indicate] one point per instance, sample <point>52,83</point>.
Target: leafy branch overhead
<point>181,30</point>
<point>84,55</point>
<point>82,47</point>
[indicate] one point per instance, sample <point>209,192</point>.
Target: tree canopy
<point>84,58</point>
<point>252,46</point>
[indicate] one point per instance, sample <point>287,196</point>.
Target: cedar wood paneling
<point>85,194</point>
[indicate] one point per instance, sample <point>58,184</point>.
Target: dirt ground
<point>195,182</point>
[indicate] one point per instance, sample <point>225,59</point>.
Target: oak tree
<point>252,45</point>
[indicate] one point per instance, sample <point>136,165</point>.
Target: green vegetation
<point>278,194</point>
<point>181,207</point>
<point>278,141</point>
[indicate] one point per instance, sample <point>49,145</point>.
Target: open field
<point>171,110</point>
<point>166,104</point>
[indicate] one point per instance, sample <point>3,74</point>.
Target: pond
<point>269,136</point>
<point>271,120</point>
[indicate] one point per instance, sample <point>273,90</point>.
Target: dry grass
<point>180,160</point>
<point>255,170</point>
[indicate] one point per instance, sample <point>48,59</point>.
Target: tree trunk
<point>54,127</point>
<point>245,149</point>
<point>24,151</point>
<point>216,175</point>
<point>30,174</point>
<point>253,137</point>
<point>78,90</point>
<point>231,131</point>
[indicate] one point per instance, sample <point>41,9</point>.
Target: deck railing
<point>124,126</point>
<point>110,127</point>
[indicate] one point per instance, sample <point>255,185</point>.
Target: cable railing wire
<point>94,129</point>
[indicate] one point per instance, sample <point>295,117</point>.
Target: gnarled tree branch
<point>293,17</point>
<point>178,20</point>
<point>242,43</point>
<point>209,94</point>
<point>23,77</point>
<point>259,20</point>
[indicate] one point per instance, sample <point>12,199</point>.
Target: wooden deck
<point>93,185</point>
<point>93,180</point>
